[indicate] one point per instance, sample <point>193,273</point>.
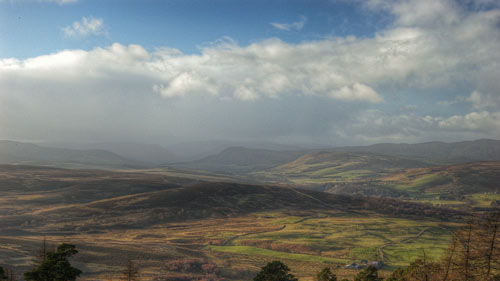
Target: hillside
<point>144,152</point>
<point>31,154</point>
<point>65,197</point>
<point>154,219</point>
<point>437,152</point>
<point>455,180</point>
<point>241,160</point>
<point>343,163</point>
<point>327,167</point>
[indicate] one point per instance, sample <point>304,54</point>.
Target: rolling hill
<point>72,197</point>
<point>330,166</point>
<point>241,160</point>
<point>437,152</point>
<point>343,163</point>
<point>12,152</point>
<point>155,218</point>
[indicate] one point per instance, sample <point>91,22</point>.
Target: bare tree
<point>131,272</point>
<point>423,269</point>
<point>11,276</point>
<point>463,262</point>
<point>491,258</point>
<point>448,260</point>
<point>42,251</point>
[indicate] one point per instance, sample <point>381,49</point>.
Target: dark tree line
<point>53,265</point>
<point>7,274</point>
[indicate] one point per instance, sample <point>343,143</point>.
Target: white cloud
<point>481,101</point>
<point>357,92</point>
<point>375,126</point>
<point>186,83</point>
<point>87,26</point>
<point>297,26</point>
<point>347,69</point>
<point>426,12</point>
<point>243,93</point>
<point>420,54</point>
<point>483,121</point>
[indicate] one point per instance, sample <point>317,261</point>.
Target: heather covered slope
<point>156,218</point>
<point>73,199</point>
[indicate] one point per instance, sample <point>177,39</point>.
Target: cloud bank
<point>336,89</point>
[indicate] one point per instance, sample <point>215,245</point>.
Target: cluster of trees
<point>6,274</point>
<point>53,265</point>
<point>473,255</point>
<point>278,271</point>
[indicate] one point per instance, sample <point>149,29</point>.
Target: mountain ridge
<point>13,152</point>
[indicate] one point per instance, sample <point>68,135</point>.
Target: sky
<point>331,72</point>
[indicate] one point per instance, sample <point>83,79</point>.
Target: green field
<point>419,183</point>
<point>342,238</point>
<point>247,250</point>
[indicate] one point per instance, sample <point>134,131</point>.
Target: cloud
<point>484,121</point>
<point>297,26</point>
<point>482,101</point>
<point>335,88</point>
<point>186,83</point>
<point>375,126</point>
<point>346,69</point>
<point>357,92</point>
<point>87,26</point>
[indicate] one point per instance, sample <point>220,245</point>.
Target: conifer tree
<point>55,266</point>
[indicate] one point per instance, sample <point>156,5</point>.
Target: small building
<point>351,266</point>
<point>364,264</point>
<point>376,264</point>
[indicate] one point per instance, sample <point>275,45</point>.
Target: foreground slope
<point>155,219</point>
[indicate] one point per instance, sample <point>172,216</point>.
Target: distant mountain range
<point>241,159</point>
<point>31,154</point>
<point>153,154</point>
<point>248,159</point>
<point>436,152</point>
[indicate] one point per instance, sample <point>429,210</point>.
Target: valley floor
<point>306,241</point>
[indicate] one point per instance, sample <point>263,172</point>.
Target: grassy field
<point>338,239</point>
<point>483,200</point>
